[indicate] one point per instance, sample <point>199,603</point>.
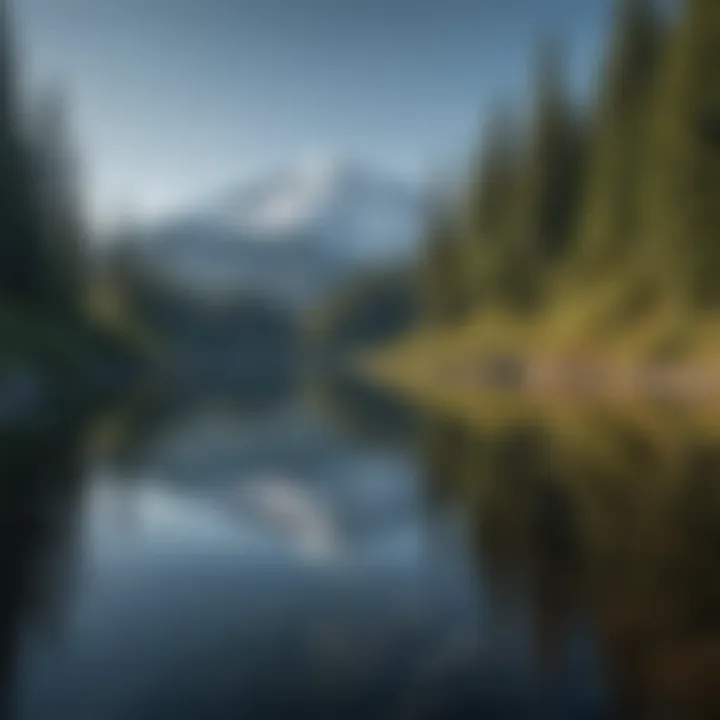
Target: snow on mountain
<point>283,204</point>
<point>348,210</point>
<point>291,236</point>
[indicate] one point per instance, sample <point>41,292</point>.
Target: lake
<point>308,549</point>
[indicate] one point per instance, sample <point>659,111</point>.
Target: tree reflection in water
<point>593,533</point>
<point>41,496</point>
<point>611,521</point>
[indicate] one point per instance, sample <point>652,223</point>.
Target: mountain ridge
<point>292,235</point>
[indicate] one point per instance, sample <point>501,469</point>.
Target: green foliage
<point>682,186</point>
<point>519,214</point>
<point>609,222</point>
<point>19,235</point>
<point>34,212</point>
<point>443,292</point>
<point>43,241</point>
<point>548,184</point>
<point>58,206</point>
<point>489,210</point>
<point>623,202</point>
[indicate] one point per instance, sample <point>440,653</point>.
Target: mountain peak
<point>294,233</point>
<point>318,191</point>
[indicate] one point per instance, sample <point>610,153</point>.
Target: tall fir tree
<point>20,254</point>
<point>610,214</point>
<point>443,296</point>
<point>550,181</point>
<point>56,178</point>
<point>489,209</point>
<point>681,211</point>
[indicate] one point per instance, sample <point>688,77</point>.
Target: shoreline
<point>576,378</point>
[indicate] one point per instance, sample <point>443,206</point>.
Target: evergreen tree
<point>442,293</point>
<point>489,209</point>
<point>20,261</point>
<point>610,212</point>
<point>55,175</point>
<point>548,195</point>
<point>682,187</point>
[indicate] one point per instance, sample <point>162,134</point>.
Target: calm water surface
<point>318,552</point>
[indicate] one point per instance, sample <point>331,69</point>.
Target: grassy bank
<point>571,352</point>
<point>580,254</point>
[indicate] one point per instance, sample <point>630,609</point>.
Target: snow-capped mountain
<point>351,211</point>
<point>291,236</point>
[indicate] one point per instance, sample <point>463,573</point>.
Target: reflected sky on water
<point>288,560</point>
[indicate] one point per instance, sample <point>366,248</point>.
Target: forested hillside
<point>47,318</point>
<point>589,232</point>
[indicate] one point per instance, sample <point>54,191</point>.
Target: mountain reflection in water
<point>330,553</point>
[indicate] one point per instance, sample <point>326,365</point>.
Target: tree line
<point>43,251</point>
<point>54,307</point>
<point>623,192</point>
<point>553,510</point>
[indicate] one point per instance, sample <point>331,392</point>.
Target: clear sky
<point>173,99</point>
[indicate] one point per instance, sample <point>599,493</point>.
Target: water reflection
<point>39,527</point>
<point>325,553</point>
<point>616,532</point>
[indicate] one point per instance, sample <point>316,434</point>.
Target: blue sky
<point>173,99</point>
